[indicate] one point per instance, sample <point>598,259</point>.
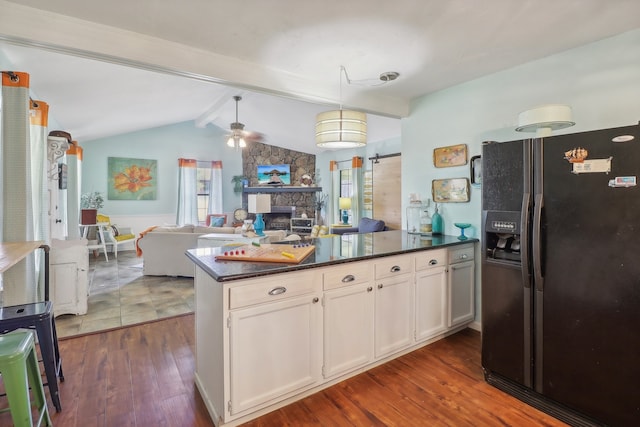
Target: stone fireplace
<point>287,201</point>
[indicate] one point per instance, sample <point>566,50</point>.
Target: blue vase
<point>258,225</point>
<point>437,224</point>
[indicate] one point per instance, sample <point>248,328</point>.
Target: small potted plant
<point>89,205</point>
<point>238,182</point>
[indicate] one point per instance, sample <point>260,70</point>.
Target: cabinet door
<point>393,314</point>
<point>275,349</point>
<point>68,288</point>
<point>431,302</point>
<point>348,328</point>
<point>461,293</point>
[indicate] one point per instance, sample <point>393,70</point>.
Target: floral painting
<point>132,179</point>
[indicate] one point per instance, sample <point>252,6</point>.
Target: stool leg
<point>36,386</point>
<point>14,377</point>
<point>47,349</point>
<point>56,349</point>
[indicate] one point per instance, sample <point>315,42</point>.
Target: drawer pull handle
<point>433,262</point>
<point>348,278</point>
<point>395,269</point>
<point>315,300</point>
<point>380,286</point>
<point>277,291</point>
<point>464,256</point>
<point>370,288</point>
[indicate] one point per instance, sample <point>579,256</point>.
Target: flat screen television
<point>274,174</point>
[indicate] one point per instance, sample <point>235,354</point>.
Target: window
<point>346,183</point>
<point>204,189</point>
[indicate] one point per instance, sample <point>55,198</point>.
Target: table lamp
<point>344,203</point>
<point>259,204</point>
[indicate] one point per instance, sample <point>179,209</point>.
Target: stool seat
<point>19,369</point>
<point>38,316</point>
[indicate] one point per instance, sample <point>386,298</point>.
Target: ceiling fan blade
<point>253,136</point>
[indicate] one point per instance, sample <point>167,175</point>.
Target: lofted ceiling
<point>282,56</point>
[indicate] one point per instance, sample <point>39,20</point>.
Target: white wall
<point>600,81</point>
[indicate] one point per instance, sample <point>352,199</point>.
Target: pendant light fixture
<point>545,119</point>
<point>341,128</point>
<point>236,138</point>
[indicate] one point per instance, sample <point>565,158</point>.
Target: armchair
<point>115,236</point>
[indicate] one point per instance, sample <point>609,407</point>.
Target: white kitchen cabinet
<point>393,305</point>
<point>275,338</point>
<point>431,294</point>
<point>461,279</point>
<point>348,317</point>
<point>69,276</point>
<point>348,328</point>
<point>275,349</point>
<point>263,342</point>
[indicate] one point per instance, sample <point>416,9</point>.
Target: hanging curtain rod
<point>377,157</point>
<point>13,76</point>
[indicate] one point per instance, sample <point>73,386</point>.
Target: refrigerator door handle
<point>524,239</point>
<point>537,244</point>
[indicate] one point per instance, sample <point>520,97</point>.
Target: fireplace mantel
<point>284,189</point>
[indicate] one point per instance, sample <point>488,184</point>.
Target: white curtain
<point>215,189</point>
<point>39,116</point>
<point>74,178</point>
<point>17,209</point>
<point>187,192</point>
<point>357,199</point>
<point>333,216</point>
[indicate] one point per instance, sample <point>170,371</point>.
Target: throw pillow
<point>368,225</point>
<point>217,221</point>
<point>115,231</point>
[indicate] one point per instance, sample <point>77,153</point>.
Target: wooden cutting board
<point>291,254</point>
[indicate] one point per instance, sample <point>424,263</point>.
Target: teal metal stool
<point>19,368</point>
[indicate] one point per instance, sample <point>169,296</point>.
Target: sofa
<point>163,248</point>
<point>365,225</point>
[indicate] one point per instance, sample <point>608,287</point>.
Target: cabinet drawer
<point>272,288</point>
<point>431,259</point>
<point>348,274</point>
<point>393,266</point>
<point>463,253</point>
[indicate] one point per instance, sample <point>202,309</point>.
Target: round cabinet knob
<point>369,289</point>
<point>315,300</point>
<point>380,286</point>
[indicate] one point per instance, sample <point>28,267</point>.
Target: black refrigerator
<point>561,274</point>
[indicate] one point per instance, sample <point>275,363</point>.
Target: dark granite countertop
<point>328,251</point>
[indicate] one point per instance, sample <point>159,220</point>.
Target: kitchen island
<point>268,334</point>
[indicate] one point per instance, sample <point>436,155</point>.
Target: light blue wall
<point>600,81</point>
<point>164,144</point>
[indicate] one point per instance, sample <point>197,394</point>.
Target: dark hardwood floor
<point>143,376</point>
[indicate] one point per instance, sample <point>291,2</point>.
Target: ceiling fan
<point>239,137</point>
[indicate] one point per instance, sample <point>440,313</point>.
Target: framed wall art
<point>450,190</point>
<point>132,179</point>
<point>453,155</point>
